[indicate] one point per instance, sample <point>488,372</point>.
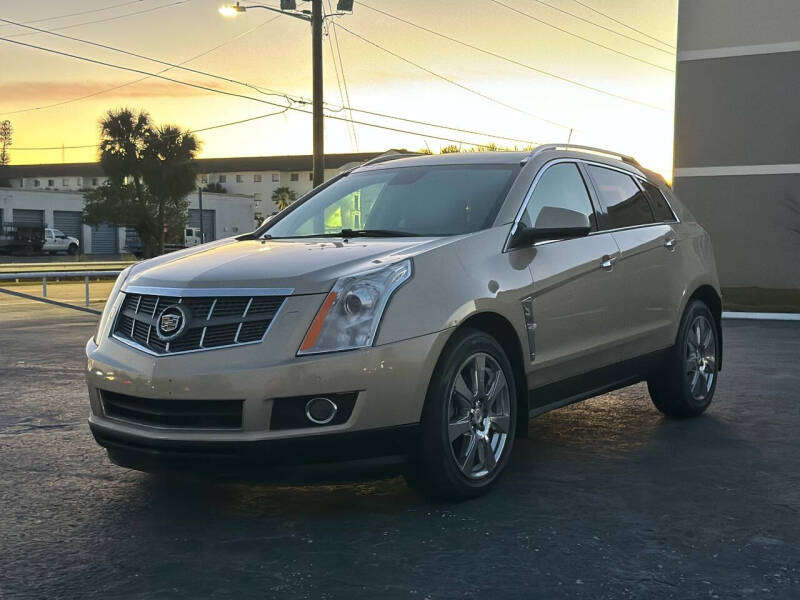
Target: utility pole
<point>202,229</point>
<point>316,18</point>
<point>318,116</point>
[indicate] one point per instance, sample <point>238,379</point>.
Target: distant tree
<point>170,173</point>
<point>214,187</point>
<point>449,149</point>
<point>150,172</point>
<point>5,141</point>
<point>283,197</point>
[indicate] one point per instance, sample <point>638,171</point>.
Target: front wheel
<point>467,428</point>
<point>72,250</point>
<point>684,386</point>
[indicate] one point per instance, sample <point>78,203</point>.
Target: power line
<point>514,61</point>
<point>243,96</point>
<point>230,80</point>
<point>341,67</point>
<point>169,67</point>
<point>639,31</point>
<point>289,98</point>
<point>209,128</point>
<point>105,20</point>
<point>580,37</point>
<point>339,85</point>
<point>83,12</point>
<point>452,82</point>
<point>595,24</point>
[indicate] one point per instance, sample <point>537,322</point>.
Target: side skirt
<point>594,383</point>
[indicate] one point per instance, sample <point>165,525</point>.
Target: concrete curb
<point>756,316</point>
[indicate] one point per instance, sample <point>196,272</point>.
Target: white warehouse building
<point>51,195</point>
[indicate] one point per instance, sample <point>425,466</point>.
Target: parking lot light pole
<point>316,17</point>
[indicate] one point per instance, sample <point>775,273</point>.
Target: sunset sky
<point>274,53</point>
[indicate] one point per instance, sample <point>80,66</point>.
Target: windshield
<point>405,201</point>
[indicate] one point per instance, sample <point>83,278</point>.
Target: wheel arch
<point>711,298</point>
<point>501,329</point>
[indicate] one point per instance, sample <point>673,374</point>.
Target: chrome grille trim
<point>241,316</point>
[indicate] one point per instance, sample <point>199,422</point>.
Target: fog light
<point>321,410</point>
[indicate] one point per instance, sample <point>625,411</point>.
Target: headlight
<point>110,302</point>
<point>350,315</point>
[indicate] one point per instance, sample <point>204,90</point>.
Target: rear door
<point>647,260</point>
<point>574,281</point>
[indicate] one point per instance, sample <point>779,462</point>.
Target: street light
<point>316,18</point>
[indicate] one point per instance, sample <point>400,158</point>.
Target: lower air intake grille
<point>195,323</point>
<point>181,414</point>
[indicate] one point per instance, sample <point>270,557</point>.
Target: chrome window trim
<point>636,177</point>
<point>675,217</point>
<point>141,348</point>
<point>205,292</point>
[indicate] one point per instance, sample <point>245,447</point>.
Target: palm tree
<point>283,197</point>
<point>170,173</point>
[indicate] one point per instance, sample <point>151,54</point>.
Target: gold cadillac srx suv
<point>417,306</point>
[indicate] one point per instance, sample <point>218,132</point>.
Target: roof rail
<point>388,157</point>
<point>544,147</point>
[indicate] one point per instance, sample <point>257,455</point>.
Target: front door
<point>575,283</point>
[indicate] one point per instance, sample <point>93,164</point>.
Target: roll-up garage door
<point>69,222</point>
<point>209,222</point>
<point>28,218</point>
<point>104,239</point>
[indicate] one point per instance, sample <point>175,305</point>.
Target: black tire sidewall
<point>436,456</point>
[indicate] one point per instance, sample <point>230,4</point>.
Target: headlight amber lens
<point>350,315</point>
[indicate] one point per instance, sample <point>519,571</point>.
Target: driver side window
<point>560,199</point>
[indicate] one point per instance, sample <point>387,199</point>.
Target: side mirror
<point>527,236</point>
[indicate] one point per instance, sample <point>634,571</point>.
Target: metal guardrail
<point>52,275</point>
<point>63,266</point>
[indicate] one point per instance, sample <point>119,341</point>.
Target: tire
<point>482,423</point>
<point>72,250</point>
<point>685,385</point>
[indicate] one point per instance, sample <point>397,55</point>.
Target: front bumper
<point>391,382</point>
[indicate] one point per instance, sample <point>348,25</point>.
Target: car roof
<point>544,151</point>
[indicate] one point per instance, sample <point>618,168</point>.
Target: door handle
<point>670,244</point>
<point>608,262</point>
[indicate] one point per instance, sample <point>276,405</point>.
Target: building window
<point>223,179</point>
<point>311,177</point>
<point>203,178</point>
<point>65,182</point>
<point>257,178</point>
<point>94,181</point>
<point>36,183</point>
<point>294,177</point>
<point>51,183</point>
<point>275,178</point>
<point>239,178</point>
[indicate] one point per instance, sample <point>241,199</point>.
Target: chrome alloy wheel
<point>701,357</point>
<point>479,415</point>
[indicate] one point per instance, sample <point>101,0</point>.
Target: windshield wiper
<point>348,233</point>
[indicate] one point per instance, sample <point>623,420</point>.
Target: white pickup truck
<point>56,240</point>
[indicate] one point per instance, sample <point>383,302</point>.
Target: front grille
<point>213,322</point>
<point>181,414</point>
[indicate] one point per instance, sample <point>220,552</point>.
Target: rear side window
<point>559,200</point>
<point>661,209</point>
<point>623,203</point>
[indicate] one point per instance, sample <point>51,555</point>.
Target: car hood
<point>305,266</point>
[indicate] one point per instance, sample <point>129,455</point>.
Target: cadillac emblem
<point>171,322</point>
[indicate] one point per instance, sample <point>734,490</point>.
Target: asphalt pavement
<point>605,499</point>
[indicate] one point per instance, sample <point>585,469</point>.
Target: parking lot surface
<point>605,499</point>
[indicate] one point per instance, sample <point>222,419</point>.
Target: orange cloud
<point>55,91</point>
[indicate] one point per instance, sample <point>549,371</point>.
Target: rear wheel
<point>467,428</point>
<point>685,386</point>
<point>72,250</point>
